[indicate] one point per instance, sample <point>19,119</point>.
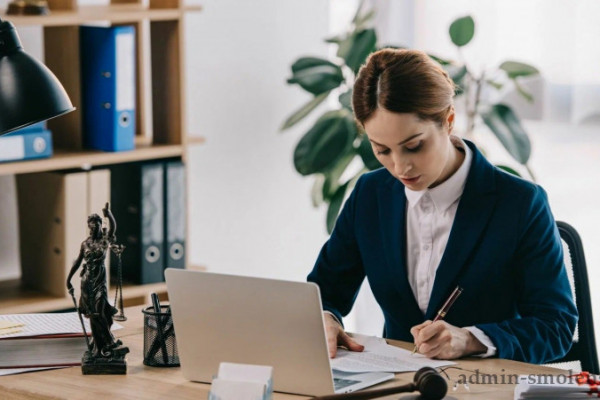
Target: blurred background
<point>251,212</point>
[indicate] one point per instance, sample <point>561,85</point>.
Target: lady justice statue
<point>105,354</point>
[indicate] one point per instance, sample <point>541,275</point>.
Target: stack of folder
<point>34,141</point>
<point>108,87</point>
<point>148,201</point>
<point>53,211</point>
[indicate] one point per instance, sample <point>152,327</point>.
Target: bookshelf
<point>161,132</point>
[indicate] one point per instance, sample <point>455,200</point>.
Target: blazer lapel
<point>474,211</point>
<point>392,219</point>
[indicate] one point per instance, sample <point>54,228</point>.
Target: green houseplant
<point>334,141</point>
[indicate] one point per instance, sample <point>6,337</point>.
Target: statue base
<point>114,365</point>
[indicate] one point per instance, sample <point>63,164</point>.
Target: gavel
<point>427,381</point>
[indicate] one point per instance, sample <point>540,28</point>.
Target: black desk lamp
<point>29,91</point>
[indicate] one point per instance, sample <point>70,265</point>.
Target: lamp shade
<point>29,91</point>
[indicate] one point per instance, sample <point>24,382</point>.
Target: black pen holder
<point>160,346</point>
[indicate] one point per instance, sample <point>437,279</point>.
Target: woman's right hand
<point>336,336</point>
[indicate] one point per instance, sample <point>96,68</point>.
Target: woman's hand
<point>337,337</point>
<point>444,341</point>
<point>106,210</point>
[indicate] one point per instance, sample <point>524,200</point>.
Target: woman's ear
<point>450,119</point>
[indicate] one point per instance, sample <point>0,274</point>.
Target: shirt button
<point>425,247</point>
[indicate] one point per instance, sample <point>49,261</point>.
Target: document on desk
<point>378,356</point>
<point>46,324</point>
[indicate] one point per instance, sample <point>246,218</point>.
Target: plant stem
<point>472,112</point>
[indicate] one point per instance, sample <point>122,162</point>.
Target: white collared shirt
<point>429,217</point>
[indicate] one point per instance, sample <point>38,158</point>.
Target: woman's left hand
<point>444,341</point>
<point>106,209</point>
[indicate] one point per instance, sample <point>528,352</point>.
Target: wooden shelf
<point>86,159</point>
<point>196,140</point>
<point>116,13</point>
<point>16,300</point>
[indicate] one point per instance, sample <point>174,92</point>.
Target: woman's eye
<point>383,152</point>
<point>414,148</point>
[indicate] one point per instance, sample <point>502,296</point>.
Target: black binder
<point>138,205</point>
<point>175,222</point>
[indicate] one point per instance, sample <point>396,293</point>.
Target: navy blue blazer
<point>504,250</point>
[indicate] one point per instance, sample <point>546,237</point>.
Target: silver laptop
<point>256,321</point>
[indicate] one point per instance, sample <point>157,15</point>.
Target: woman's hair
<point>95,218</point>
<point>402,81</point>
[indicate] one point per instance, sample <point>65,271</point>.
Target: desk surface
<point>142,382</point>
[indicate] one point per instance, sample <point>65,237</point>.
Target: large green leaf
<point>509,170</point>
<point>462,30</point>
<point>346,99</point>
<point>361,20</point>
<point>515,69</point>
<point>439,60</point>
<point>365,151</point>
<point>316,193</point>
<point>334,206</point>
<point>456,72</point>
<point>521,90</point>
<point>505,124</point>
<point>328,139</point>
<point>304,110</point>
<point>316,75</point>
<point>332,177</point>
<point>356,48</point>
<point>338,200</point>
<point>310,62</point>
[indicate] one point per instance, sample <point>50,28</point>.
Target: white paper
<point>245,372</point>
<point>14,371</point>
<point>243,377</point>
<point>48,324</point>
<point>223,389</point>
<point>549,386</point>
<point>378,356</point>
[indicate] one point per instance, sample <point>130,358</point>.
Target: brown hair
<point>402,81</point>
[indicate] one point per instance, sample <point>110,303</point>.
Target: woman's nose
<point>401,166</point>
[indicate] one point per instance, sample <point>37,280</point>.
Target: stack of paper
<point>10,327</point>
<point>378,356</point>
<point>31,342</point>
<point>549,386</point>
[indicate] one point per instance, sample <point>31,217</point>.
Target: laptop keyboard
<point>340,383</point>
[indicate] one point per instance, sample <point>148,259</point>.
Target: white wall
<point>250,212</point>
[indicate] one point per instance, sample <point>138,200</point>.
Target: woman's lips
<point>410,181</point>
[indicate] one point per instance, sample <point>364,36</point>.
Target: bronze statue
<point>105,354</point>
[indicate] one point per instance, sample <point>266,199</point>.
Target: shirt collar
<point>446,193</point>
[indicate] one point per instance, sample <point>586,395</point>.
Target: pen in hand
<point>445,308</point>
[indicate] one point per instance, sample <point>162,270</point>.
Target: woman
<point>93,302</point>
<point>439,215</point>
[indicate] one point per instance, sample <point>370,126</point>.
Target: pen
<point>445,308</point>
<point>159,328</point>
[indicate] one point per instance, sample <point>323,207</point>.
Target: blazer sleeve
<point>338,270</point>
<point>548,315</point>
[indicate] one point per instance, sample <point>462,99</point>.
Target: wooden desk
<point>142,382</point>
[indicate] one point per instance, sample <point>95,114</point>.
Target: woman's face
<point>419,153</point>
<point>94,226</point>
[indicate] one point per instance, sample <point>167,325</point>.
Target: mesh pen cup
<point>160,346</point>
